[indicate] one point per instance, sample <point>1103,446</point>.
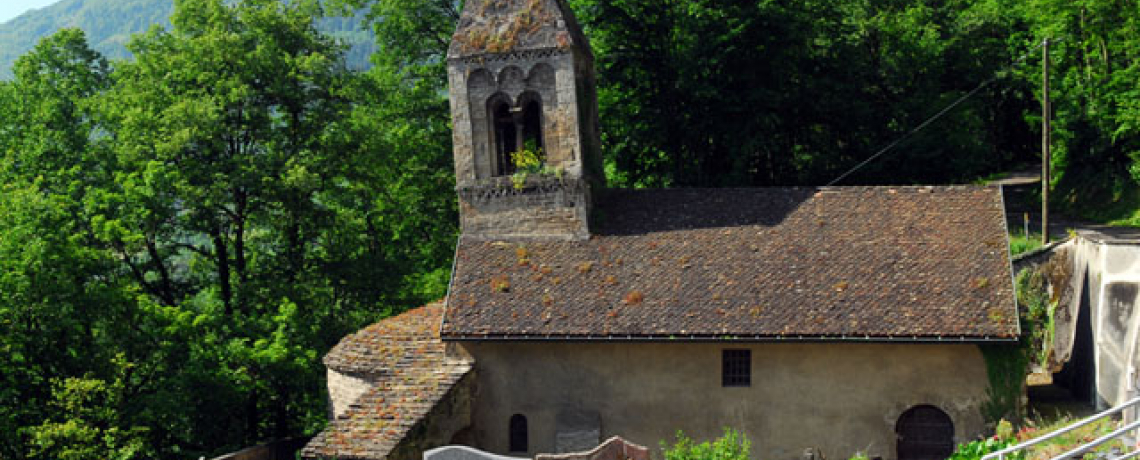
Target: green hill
<point>109,25</point>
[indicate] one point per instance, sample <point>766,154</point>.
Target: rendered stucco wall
<point>838,398</point>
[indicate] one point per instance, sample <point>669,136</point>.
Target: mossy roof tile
<point>759,263</point>
<point>408,362</point>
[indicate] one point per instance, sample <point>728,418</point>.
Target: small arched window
<point>518,437</point>
<point>924,433</point>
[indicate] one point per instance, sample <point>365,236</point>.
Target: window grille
<point>736,369</point>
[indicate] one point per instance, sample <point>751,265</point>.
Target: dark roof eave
<point>728,338</point>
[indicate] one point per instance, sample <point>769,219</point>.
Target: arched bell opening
<point>532,123</point>
<point>515,127</point>
<point>505,134</point>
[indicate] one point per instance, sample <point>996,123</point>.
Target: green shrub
<point>1020,243</point>
<point>732,446</point>
<point>975,450</point>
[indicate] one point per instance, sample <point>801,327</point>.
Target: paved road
<point>1021,187</point>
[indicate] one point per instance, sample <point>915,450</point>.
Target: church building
<point>831,320</point>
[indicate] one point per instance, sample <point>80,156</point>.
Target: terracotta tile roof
<point>857,262</point>
<point>414,374</point>
<point>379,349</point>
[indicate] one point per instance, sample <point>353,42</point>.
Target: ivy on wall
<point>1008,364</point>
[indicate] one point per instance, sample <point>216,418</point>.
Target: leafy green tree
<point>182,239</point>
<point>48,125</point>
<point>401,135</point>
<point>739,93</point>
<point>220,207</point>
<point>63,306</point>
<point>1096,63</point>
<point>85,423</point>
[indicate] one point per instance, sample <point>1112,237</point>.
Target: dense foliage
<point>182,238</point>
<point>109,25</point>
<point>184,235</point>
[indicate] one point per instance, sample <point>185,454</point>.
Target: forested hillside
<point>185,234</point>
<point>109,24</point>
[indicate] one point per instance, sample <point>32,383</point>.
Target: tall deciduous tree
<point>63,307</point>
<point>223,207</point>
<point>1096,64</point>
<point>182,239</point>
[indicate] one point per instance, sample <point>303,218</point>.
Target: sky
<point>12,8</point>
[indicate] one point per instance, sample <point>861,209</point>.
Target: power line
<point>1000,73</point>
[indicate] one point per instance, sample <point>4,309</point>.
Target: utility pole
<point>1045,138</point>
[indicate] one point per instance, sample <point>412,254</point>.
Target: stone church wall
<point>838,398</point>
<point>491,206</point>
<point>546,208</point>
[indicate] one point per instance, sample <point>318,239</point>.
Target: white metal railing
<point>1131,423</point>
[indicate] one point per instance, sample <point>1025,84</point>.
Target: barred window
<point>736,369</point>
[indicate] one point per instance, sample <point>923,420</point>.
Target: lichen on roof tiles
<point>413,373</point>
<point>835,262</point>
<point>501,26</point>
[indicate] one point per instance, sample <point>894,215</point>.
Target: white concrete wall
<point>1113,274</point>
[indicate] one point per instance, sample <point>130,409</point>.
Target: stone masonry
<point>519,52</point>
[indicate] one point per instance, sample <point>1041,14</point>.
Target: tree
<point>183,238</point>
<point>223,209</point>
<point>702,93</point>
<point>63,306</point>
<point>1096,62</point>
<point>49,124</point>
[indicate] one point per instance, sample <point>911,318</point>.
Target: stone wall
<point>544,208</point>
<point>615,448</point>
<point>490,205</point>
<point>840,398</point>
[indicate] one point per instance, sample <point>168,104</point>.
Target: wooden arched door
<point>924,433</point>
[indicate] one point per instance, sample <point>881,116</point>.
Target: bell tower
<point>524,117</point>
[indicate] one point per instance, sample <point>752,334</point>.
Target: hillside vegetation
<point>183,235</point>
<point>109,25</point>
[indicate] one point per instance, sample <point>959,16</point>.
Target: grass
<point>1038,426</point>
<point>1020,243</point>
